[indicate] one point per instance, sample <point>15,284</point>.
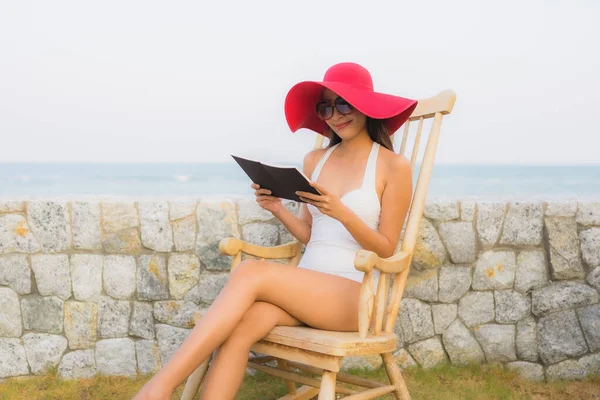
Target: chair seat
<point>331,342</point>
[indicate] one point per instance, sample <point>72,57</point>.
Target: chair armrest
<point>232,246</point>
<point>372,303</point>
<point>365,261</point>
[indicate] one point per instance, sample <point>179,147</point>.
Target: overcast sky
<point>193,81</point>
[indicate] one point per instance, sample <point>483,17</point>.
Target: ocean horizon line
<point>273,162</point>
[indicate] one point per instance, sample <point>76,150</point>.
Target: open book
<point>282,181</point>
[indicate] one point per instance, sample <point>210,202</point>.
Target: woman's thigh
<point>315,298</point>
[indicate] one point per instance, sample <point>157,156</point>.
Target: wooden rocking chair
<point>304,349</point>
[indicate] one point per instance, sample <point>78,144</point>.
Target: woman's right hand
<point>265,200</point>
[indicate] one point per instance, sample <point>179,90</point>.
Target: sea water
<point>172,180</point>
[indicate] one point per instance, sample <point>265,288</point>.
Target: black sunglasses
<point>325,109</point>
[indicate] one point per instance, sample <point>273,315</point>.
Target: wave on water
<point>182,178</point>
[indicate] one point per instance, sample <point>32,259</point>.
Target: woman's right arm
<point>299,227</point>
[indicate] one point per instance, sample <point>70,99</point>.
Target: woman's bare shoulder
<point>311,159</point>
<point>395,164</point>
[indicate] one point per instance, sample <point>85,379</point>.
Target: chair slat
<point>415,150</point>
<point>394,306</point>
<point>380,302</point>
<point>237,259</point>
<point>404,138</point>
<point>319,141</point>
<point>365,311</point>
<point>418,203</point>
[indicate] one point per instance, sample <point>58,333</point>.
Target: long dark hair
<point>377,130</point>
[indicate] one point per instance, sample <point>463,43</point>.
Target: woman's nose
<point>336,114</point>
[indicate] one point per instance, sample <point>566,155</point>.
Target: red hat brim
<point>302,98</point>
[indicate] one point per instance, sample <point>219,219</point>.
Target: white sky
<point>193,81</point>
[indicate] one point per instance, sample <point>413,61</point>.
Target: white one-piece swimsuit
<point>331,248</point>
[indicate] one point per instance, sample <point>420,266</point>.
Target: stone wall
<point>109,287</point>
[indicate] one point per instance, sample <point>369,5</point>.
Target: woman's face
<point>345,126</point>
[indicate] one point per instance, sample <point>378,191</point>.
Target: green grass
<point>444,383</point>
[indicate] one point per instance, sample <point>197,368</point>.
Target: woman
<point>365,191</point>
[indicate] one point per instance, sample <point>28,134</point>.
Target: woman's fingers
<point>307,195</point>
<point>262,192</point>
<point>319,188</point>
<point>315,203</point>
<point>304,199</point>
<point>257,187</point>
<point>322,206</point>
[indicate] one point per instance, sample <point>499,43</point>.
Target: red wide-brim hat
<point>354,84</point>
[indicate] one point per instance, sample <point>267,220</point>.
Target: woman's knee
<point>255,324</point>
<point>249,272</point>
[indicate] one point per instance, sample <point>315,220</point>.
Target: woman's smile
<point>342,125</point>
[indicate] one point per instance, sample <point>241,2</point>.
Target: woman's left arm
<point>395,201</point>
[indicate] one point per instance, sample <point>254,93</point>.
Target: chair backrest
<point>433,108</point>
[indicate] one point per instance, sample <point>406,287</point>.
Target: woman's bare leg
<point>227,369</point>
<point>320,300</point>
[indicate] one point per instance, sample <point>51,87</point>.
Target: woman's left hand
<point>329,204</point>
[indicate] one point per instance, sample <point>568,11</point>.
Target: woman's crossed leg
<point>228,367</point>
<point>316,299</point>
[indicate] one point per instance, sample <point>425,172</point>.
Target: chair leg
<point>194,380</point>
<point>327,391</point>
<point>291,386</point>
<point>395,376</point>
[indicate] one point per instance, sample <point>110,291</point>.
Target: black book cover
<point>283,182</point>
